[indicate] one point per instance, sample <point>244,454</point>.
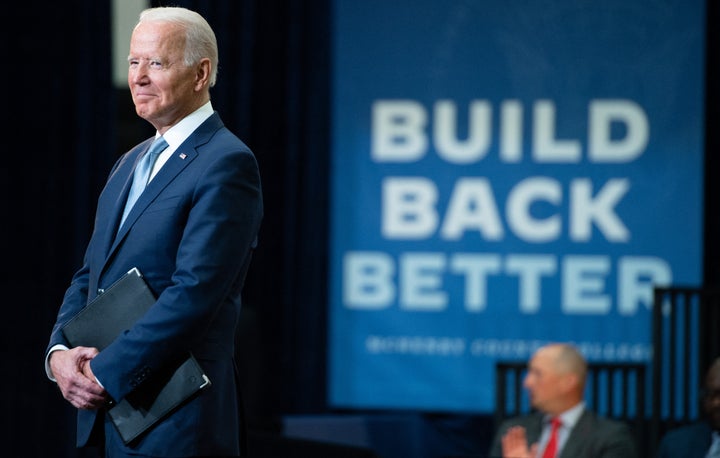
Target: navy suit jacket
<point>592,437</point>
<point>191,233</point>
<point>691,441</point>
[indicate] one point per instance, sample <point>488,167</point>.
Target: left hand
<point>70,369</point>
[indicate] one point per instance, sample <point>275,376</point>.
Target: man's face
<point>711,400</point>
<point>543,382</point>
<point>163,88</point>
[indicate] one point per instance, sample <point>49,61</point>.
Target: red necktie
<point>552,445</point>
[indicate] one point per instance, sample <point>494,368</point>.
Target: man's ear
<point>570,382</point>
<point>202,74</point>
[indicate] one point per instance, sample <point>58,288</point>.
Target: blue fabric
<point>691,441</point>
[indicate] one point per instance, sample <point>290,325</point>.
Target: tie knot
<point>157,146</point>
<point>556,422</point>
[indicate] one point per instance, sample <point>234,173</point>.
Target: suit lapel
<point>122,194</point>
<point>180,159</point>
<point>576,441</point>
<point>111,203</point>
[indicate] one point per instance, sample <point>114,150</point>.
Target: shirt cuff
<point>48,371</point>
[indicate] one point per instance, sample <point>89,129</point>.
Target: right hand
<point>70,369</point>
<point>515,444</point>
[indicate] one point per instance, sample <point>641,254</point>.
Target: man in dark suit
<point>700,439</point>
<point>556,382</point>
<point>191,234</point>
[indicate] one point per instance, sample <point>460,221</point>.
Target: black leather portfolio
<point>103,319</point>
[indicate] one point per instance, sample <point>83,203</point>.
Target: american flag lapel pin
<point>183,155</point>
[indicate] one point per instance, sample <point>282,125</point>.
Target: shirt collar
<point>183,129</point>
<point>571,416</point>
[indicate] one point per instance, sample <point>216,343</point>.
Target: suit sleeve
<point>618,442</point>
<point>496,446</point>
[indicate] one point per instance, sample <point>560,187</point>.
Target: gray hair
<point>200,41</point>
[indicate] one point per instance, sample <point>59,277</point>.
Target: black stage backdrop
<point>64,127</point>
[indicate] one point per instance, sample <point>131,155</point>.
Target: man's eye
<point>155,64</point>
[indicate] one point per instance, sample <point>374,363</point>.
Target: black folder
<point>103,319</point>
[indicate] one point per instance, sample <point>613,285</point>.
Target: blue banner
<point>506,174</point>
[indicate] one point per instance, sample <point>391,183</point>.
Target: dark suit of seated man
<point>695,440</point>
<point>556,382</point>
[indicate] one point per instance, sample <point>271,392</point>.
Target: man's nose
<point>527,382</point>
<point>138,71</point>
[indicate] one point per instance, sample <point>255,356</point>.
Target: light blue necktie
<point>142,174</point>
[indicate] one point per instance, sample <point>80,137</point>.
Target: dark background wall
<point>64,125</point>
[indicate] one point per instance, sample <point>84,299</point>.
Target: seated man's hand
<point>514,444</point>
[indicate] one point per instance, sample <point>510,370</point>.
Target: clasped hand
<point>515,445</point>
<point>71,369</point>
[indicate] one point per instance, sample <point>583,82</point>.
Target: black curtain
<point>57,150</point>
